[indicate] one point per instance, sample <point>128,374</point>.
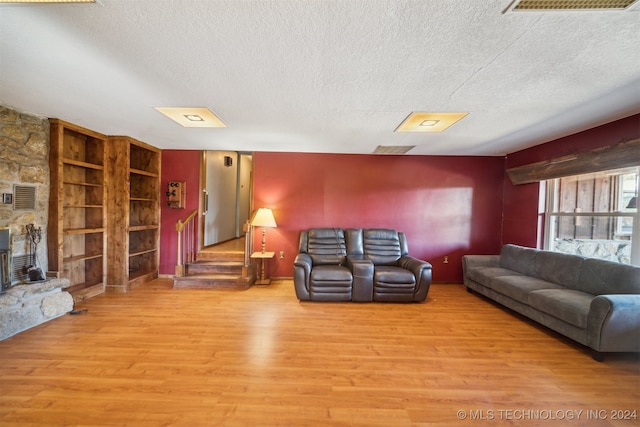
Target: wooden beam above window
<point>623,154</point>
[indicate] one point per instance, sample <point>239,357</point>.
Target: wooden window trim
<point>620,155</point>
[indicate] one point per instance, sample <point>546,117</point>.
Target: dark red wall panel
<point>177,165</point>
<point>447,206</point>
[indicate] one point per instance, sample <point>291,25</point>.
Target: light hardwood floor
<point>163,357</point>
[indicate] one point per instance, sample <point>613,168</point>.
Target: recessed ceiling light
<point>542,5</point>
<point>429,122</point>
<point>192,117</point>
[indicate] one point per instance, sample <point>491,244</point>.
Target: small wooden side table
<point>262,256</point>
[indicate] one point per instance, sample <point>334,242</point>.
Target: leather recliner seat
<point>321,266</point>
<point>395,274</point>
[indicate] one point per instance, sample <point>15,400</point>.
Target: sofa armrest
<point>471,261</point>
<point>362,270</point>
<point>474,261</point>
<point>422,272</point>
<point>613,323</point>
<point>301,273</point>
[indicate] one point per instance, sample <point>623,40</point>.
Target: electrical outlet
<point>281,254</point>
<point>446,259</point>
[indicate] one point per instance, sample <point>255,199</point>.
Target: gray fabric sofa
<point>360,265</point>
<point>593,302</point>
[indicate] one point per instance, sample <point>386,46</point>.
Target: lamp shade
<point>263,218</point>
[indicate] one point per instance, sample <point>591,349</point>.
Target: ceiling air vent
<point>393,149</point>
<point>24,198</point>
<point>542,5</point>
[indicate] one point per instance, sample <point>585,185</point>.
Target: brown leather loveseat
<point>358,265</point>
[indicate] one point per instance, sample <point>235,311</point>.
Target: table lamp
<point>263,217</point>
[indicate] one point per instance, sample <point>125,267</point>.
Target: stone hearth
<point>25,306</point>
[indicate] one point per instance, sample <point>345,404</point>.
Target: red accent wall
<point>522,222</point>
<point>447,206</point>
<point>177,165</point>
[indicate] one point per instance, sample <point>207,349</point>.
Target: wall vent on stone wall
<point>24,198</point>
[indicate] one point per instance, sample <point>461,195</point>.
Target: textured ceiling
<point>332,76</point>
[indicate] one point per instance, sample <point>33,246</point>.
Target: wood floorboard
<point>158,356</point>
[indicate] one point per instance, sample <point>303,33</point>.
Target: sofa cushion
<point>483,275</point>
<point>330,283</point>
<point>331,274</point>
<point>599,277</point>
<point>519,287</point>
<point>568,305</point>
<point>393,284</point>
<point>382,246</point>
<point>559,268</point>
<point>394,276</point>
<point>518,258</point>
<point>326,246</point>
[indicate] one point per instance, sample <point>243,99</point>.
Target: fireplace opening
<point>5,259</point>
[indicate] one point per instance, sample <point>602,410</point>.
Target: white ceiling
<point>334,76</point>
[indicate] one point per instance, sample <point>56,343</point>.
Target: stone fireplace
<point>24,164</point>
<point>24,201</point>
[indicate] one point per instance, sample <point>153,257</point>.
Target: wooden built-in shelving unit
<point>133,213</point>
<point>77,211</point>
<point>104,210</point>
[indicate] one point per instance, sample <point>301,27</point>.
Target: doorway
<point>226,184</point>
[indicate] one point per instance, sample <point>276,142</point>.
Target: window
<point>595,215</point>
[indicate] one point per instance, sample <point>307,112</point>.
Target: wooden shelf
<point>83,164</point>
<point>144,227</point>
<point>142,252</point>
<point>141,276</point>
<point>83,184</point>
<point>84,257</point>
<point>83,230</point>
<point>85,290</point>
<point>145,173</point>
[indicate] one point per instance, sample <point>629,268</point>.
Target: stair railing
<point>248,243</point>
<point>187,242</point>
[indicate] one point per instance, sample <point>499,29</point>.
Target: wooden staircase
<point>218,267</point>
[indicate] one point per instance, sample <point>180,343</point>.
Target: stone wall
<point>24,160</point>
<point>25,306</point>
<point>609,250</point>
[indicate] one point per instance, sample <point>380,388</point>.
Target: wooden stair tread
<point>213,281</point>
<point>210,276</point>
<point>215,267</point>
<point>218,267</point>
<point>214,262</point>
